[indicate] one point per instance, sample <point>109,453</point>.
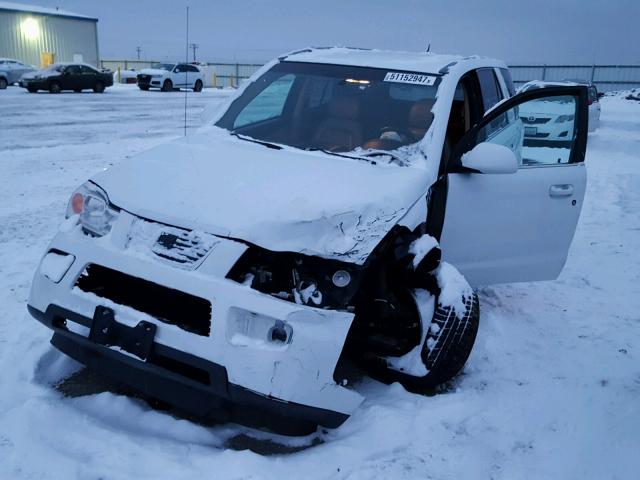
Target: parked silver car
<point>11,70</point>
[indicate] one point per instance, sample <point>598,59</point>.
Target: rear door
<point>518,226</point>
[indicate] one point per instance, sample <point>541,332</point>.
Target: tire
<point>167,86</point>
<point>198,86</point>
<point>3,83</point>
<point>144,89</point>
<point>454,341</point>
<point>77,90</point>
<point>98,87</point>
<point>32,90</point>
<point>54,87</point>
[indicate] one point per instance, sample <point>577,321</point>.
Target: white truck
<point>330,212</point>
<point>170,76</point>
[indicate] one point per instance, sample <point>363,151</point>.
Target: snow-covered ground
<point>552,389</point>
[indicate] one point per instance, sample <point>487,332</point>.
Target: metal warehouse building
<point>41,36</point>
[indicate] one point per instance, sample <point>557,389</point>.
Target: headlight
<point>303,279</point>
<point>564,118</point>
<point>91,204</point>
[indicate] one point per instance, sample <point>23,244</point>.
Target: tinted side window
<point>72,70</point>
<point>489,87</point>
<point>86,70</point>
<point>191,68</point>
<point>506,76</point>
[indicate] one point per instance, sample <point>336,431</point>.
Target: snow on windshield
<point>334,108</point>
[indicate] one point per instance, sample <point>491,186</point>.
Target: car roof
<point>425,62</point>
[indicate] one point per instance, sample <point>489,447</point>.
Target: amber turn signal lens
<point>77,203</point>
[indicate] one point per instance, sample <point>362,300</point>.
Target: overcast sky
<point>537,31</point>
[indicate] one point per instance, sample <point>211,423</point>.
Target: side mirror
<point>600,94</point>
<point>490,158</point>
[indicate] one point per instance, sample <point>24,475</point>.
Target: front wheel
<point>98,87</point>
<point>447,343</point>
<point>54,87</point>
<point>167,86</point>
<point>3,83</point>
<point>198,86</point>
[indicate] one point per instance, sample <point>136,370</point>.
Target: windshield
<point>335,108</point>
<point>163,66</point>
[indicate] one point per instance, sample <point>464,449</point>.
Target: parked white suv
<point>171,76</point>
<point>235,271</point>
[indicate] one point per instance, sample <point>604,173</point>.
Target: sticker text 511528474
<point>414,78</point>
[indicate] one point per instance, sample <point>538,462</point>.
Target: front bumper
<point>149,81</point>
<point>34,83</point>
<point>293,381</point>
<point>192,384</point>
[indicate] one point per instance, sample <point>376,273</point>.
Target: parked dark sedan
<point>71,76</point>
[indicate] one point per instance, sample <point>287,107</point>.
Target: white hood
<point>282,200</point>
<point>152,71</point>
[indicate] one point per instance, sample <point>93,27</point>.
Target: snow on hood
<point>281,200</point>
<point>49,72</point>
<point>153,71</point>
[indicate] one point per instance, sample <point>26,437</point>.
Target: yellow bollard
<point>215,80</point>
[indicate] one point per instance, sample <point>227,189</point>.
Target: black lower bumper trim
<point>192,384</point>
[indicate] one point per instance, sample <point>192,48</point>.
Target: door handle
<point>561,190</point>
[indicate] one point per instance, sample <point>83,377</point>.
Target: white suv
<point>171,76</point>
<point>323,216</point>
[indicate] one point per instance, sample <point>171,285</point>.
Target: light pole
<point>194,47</point>
<point>138,50</point>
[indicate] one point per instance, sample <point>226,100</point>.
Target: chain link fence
<point>606,77</point>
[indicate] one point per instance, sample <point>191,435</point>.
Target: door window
<point>506,76</point>
<point>72,70</point>
<point>489,87</point>
<point>268,104</point>
<point>540,132</point>
<point>87,70</point>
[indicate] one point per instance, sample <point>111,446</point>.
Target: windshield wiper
<point>329,152</point>
<point>249,139</point>
<point>385,153</point>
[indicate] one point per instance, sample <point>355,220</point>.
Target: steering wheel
<point>395,134</point>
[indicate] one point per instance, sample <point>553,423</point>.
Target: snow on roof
<point>396,60</point>
<point>21,7</point>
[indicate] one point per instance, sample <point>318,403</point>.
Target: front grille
<point>185,247</point>
<point>186,311</point>
<point>534,120</point>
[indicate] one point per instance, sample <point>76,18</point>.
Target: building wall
<point>63,36</point>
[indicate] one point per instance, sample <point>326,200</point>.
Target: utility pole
<point>138,49</point>
<point>194,47</point>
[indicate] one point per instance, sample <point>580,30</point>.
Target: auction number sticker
<point>413,78</point>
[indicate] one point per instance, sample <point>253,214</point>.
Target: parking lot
<point>551,387</point>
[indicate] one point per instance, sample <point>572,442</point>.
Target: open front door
<point>518,225</point>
